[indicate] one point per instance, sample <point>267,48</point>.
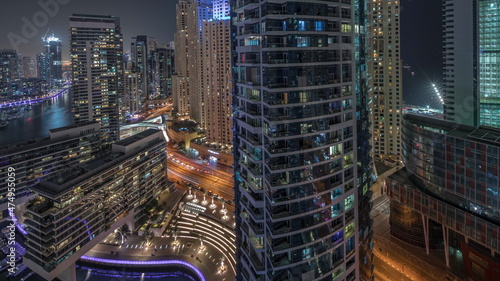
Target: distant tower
<point>200,12</point>
<point>471,56</point>
<point>53,47</point>
<point>166,70</point>
<point>29,67</point>
<point>386,83</point>
<point>97,61</point>
<point>43,65</point>
<point>180,79</point>
<point>216,77</point>
<point>139,58</point>
<point>9,70</point>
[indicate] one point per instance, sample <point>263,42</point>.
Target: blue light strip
<point>155,262</point>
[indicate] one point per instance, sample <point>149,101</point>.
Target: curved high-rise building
<point>297,103</point>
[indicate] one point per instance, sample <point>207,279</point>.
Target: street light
<point>212,206</point>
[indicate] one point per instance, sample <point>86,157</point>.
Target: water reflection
<point>37,121</point>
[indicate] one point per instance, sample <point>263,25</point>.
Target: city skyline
<point>156,19</point>
<point>424,58</point>
<point>267,140</point>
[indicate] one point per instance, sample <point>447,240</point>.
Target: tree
<point>148,235</point>
<point>122,233</point>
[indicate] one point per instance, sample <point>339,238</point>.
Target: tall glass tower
<point>53,47</point>
<point>489,62</point>
<point>297,103</point>
<point>97,61</point>
<point>471,56</point>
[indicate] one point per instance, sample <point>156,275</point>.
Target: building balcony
<point>246,5</point>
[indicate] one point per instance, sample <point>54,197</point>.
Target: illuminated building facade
<point>181,80</point>
<point>131,101</point>
<point>302,192</point>
<point>97,59</point>
<point>200,11</point>
<point>386,81</point>
<point>9,70</point>
<point>166,59</point>
<point>216,84</point>
<point>139,59</point>
<point>78,207</point>
<point>53,47</point>
<point>36,160</point>
<point>215,76</point>
<point>365,169</point>
<point>29,67</point>
<point>43,65</point>
<point>471,52</point>
<point>489,62</point>
<point>450,182</point>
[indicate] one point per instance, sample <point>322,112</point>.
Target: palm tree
<point>122,233</point>
<point>148,235</point>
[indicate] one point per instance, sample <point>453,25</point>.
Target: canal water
<point>37,122</point>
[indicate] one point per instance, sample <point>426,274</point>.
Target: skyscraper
<point>200,11</point>
<point>131,102</point>
<point>180,79</point>
<point>139,59</point>
<point>97,60</point>
<point>214,97</point>
<point>365,169</point>
<point>215,77</point>
<point>53,47</point>
<point>166,57</point>
<point>386,80</point>
<point>489,62</point>
<point>297,95</point>
<point>471,53</point>
<point>29,67</point>
<point>9,70</point>
<point>43,66</point>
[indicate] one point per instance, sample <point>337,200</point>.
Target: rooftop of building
<point>481,134</point>
<point>36,143</point>
<point>137,137</point>
<point>92,16</point>
<point>401,176</point>
<point>72,126</point>
<point>382,167</point>
<point>71,176</point>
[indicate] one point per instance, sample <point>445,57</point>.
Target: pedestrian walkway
<point>204,240</point>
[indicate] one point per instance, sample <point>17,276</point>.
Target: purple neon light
<point>156,262</point>
<point>31,101</point>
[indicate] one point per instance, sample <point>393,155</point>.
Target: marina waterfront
<point>37,120</point>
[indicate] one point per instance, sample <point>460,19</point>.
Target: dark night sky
<point>420,32</point>
<point>421,43</point>
<point>154,18</point>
